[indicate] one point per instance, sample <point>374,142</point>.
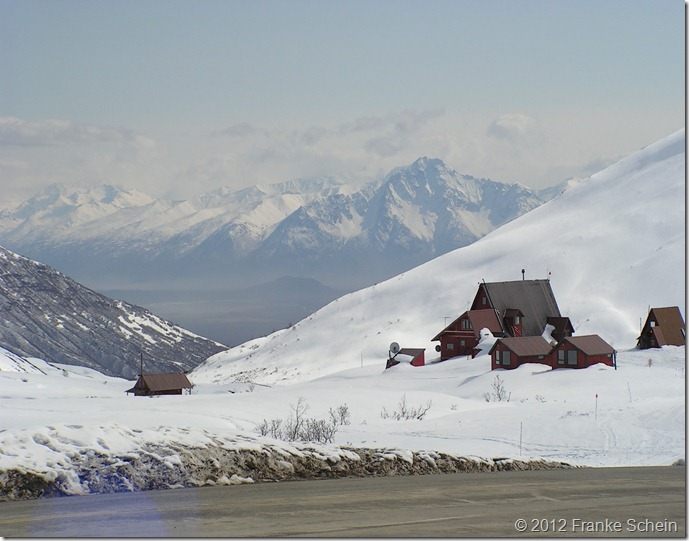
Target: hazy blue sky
<point>177,97</point>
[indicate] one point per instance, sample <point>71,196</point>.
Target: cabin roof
<point>534,298</point>
<point>412,352</point>
<point>525,346</point>
<point>484,317</point>
<point>590,344</point>
<point>671,323</point>
<point>162,382</point>
<point>561,323</point>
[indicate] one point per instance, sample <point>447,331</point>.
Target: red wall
<point>470,342</point>
<point>516,361</point>
<point>583,360</point>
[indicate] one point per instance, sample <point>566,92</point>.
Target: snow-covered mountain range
<point>126,244</point>
<point>416,213</point>
<point>47,315</point>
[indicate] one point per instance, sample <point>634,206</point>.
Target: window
<point>483,301</point>
<point>516,320</point>
<point>560,356</point>
<point>502,357</point>
<point>466,325</point>
<point>450,346</point>
<point>462,343</point>
<point>572,357</point>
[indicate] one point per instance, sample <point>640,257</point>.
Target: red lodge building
<point>509,310</point>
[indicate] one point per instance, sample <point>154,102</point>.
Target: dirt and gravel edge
<point>177,467</point>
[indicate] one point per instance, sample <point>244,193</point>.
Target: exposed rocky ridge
<point>45,314</point>
<point>177,466</point>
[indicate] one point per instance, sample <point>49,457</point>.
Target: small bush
<point>405,412</point>
<point>340,416</point>
<point>298,427</point>
<point>499,393</point>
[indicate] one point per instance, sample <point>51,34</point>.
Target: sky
<point>179,97</point>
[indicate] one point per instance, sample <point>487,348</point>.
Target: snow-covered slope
<point>614,245</point>
<point>45,314</point>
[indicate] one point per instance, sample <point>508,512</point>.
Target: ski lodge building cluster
<point>524,317</point>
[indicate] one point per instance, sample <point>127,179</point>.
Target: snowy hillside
<point>615,245</point>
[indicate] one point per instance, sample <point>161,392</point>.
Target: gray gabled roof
<point>162,382</point>
<point>590,344</point>
<point>534,298</point>
<point>525,346</point>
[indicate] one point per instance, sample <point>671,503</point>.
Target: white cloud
<point>19,132</point>
<point>514,127</point>
<point>512,147</point>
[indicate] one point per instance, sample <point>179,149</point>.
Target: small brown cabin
<point>664,327</point>
<point>160,384</point>
<point>582,352</point>
<point>514,351</point>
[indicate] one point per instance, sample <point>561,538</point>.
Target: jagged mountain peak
<point>424,162</point>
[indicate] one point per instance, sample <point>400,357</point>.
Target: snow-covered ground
<point>599,416</point>
<point>615,244</point>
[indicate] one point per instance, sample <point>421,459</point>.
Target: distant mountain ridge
<point>45,314</point>
<point>416,213</point>
<point>345,235</point>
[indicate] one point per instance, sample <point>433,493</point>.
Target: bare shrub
<point>499,393</point>
<point>406,412</point>
<point>299,427</point>
<point>340,416</point>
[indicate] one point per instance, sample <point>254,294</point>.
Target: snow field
<point>615,245</point>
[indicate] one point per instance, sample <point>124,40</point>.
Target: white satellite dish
<point>394,348</point>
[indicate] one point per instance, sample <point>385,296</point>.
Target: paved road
<point>637,501</point>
